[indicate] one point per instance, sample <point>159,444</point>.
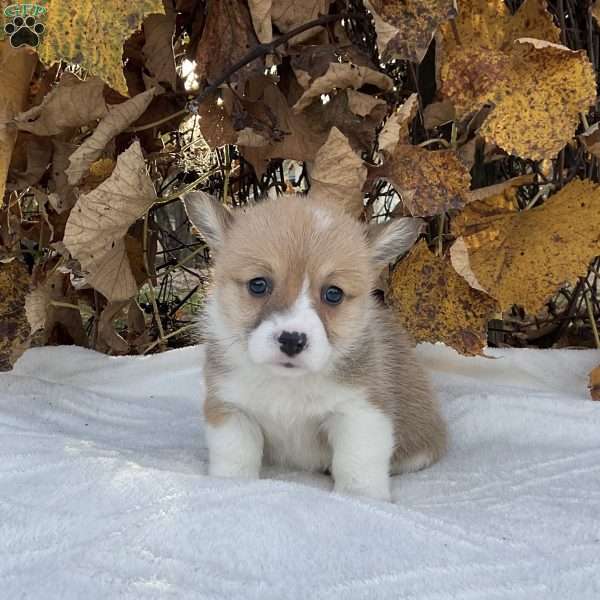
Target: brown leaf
<point>590,138</point>
<point>405,28</point>
<point>430,182</point>
<point>301,136</point>
<point>341,76</point>
<point>338,174</point>
<point>71,104</point>
<point>396,128</point>
<point>99,221</point>
<point>39,154</point>
<point>14,329</point>
<point>286,15</point>
<point>228,36</point>
<point>16,67</point>
<point>363,104</point>
<point>158,48</point>
<point>62,196</point>
<point>595,383</point>
<point>52,306</point>
<point>119,117</point>
<point>436,305</point>
<point>525,257</point>
<point>107,332</point>
<point>438,113</point>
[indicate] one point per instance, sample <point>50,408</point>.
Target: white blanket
<point>103,493</point>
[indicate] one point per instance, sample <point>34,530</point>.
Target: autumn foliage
<point>479,117</point>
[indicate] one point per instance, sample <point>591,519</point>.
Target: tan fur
<point>285,240</point>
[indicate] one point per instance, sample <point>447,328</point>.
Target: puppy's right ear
<point>209,216</point>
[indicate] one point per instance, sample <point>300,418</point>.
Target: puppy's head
<point>293,278</point>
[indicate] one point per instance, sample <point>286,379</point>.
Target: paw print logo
<point>24,32</point>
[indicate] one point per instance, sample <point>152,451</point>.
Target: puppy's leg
<point>362,441</point>
<point>235,443</point>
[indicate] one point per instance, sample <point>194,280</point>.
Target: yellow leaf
<point>405,28</point>
<point>551,85</point>
<point>525,257</point>
<point>91,34</point>
<point>16,68</point>
<point>96,228</point>
<point>537,87</point>
<point>338,174</point>
<point>435,304</point>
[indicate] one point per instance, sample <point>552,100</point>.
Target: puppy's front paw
<point>379,490</point>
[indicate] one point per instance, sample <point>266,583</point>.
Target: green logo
<point>23,27</point>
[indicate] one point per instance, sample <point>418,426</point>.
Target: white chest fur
<point>292,413</point>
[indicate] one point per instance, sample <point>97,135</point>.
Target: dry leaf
<point>119,117</point>
<point>16,67</point>
<point>71,104</point>
<point>590,138</point>
<point>338,174</point>
<point>436,305</point>
<point>91,34</point>
<point>595,383</point>
<point>537,120</point>
<point>301,136</point>
<point>405,28</point>
<point>286,15</point>
<point>62,196</point>
<point>228,36</point>
<point>363,104</point>
<point>429,181</point>
<point>106,327</point>
<point>341,76</point>
<point>396,128</point>
<point>438,113</point>
<point>459,257</point>
<point>14,329</point>
<point>158,48</point>
<point>39,154</point>
<point>537,87</point>
<point>98,223</point>
<point>525,257</point>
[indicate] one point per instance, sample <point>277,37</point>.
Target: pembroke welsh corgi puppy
<point>304,368</point>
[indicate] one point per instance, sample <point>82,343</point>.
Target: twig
<point>161,332</point>
<point>166,337</point>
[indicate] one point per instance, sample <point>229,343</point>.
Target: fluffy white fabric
<point>103,492</point>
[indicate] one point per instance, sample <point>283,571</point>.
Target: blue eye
<point>258,286</point>
<point>333,295</point>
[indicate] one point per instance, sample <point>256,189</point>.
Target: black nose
<point>292,343</point>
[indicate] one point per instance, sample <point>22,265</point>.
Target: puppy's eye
<point>333,295</point>
<point>259,286</point>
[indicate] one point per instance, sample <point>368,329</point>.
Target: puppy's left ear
<point>209,216</point>
<point>390,240</point>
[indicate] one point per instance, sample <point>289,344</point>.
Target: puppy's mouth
<point>289,365</point>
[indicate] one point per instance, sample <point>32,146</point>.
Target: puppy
<point>304,368</point>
